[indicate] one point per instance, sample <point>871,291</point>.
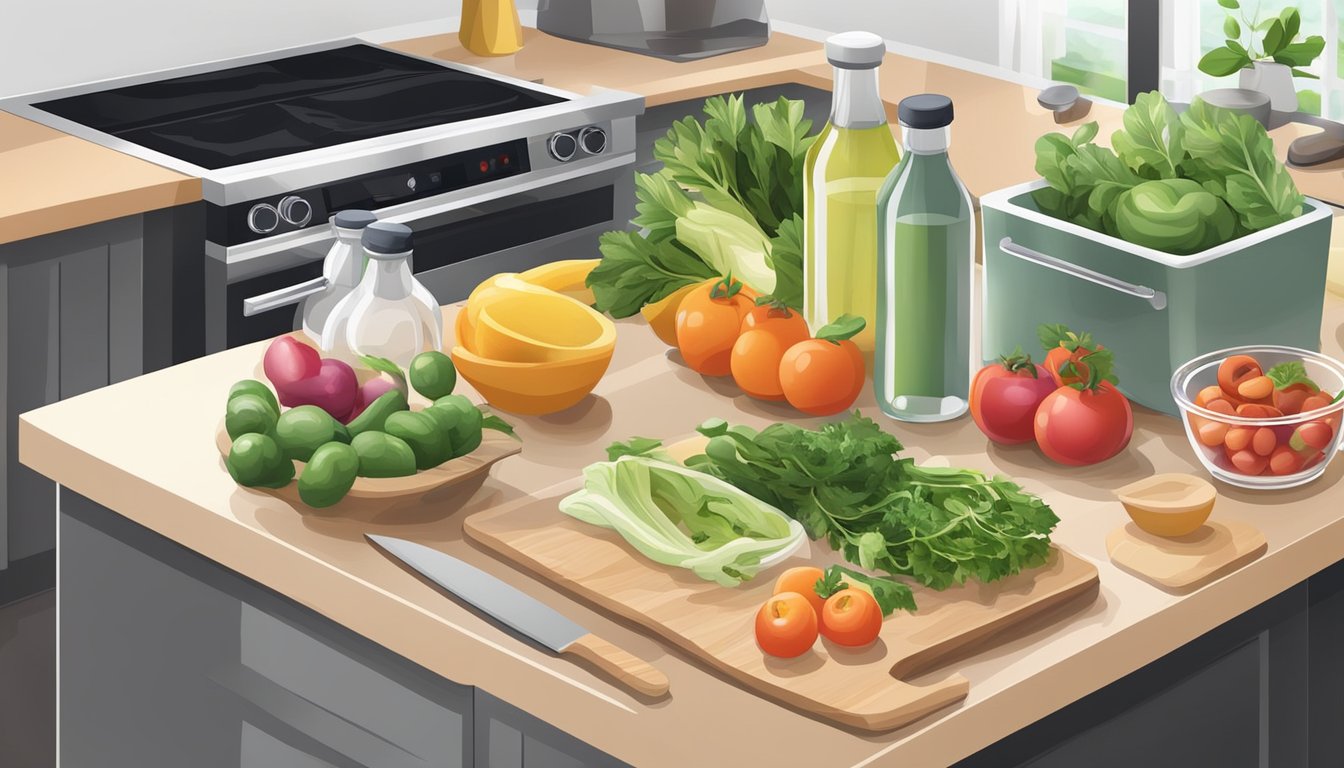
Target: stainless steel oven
<point>493,173</point>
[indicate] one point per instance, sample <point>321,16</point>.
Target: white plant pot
<point>1275,80</point>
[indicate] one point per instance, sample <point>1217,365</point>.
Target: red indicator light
<point>503,159</point>
<point>485,166</point>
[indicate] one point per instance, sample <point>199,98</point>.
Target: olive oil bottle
<point>844,169</point>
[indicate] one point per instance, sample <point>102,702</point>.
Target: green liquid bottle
<point>926,234</point>
<point>843,172</point>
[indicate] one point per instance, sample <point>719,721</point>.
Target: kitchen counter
<point>50,181</point>
<point>145,449</point>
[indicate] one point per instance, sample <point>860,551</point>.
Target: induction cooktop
<point>269,109</point>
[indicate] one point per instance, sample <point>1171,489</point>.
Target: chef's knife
<point>525,614</point>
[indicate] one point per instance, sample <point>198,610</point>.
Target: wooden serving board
<point>861,688</point>
<point>1185,563</point>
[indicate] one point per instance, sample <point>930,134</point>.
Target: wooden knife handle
<point>629,671</point>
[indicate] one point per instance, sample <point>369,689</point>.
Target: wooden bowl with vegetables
<point>320,431</point>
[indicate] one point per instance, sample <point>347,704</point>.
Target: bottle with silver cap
<point>389,314</point>
<point>843,171</point>
<point>341,272</point>
<point>926,233</point>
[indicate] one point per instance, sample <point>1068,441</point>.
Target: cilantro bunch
<point>845,482</point>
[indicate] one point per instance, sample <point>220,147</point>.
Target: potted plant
<point>1270,67</point>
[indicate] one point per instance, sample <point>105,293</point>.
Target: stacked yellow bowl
<point>533,349</point>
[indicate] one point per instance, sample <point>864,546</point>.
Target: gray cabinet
<point>82,309</point>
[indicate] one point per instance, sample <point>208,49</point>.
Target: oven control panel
<point>567,145</point>
<point>259,219</point>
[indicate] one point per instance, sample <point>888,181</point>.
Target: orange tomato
<point>767,333</point>
<point>851,617</point>
<point>786,626</point>
<point>802,580</point>
<point>822,377</point>
<point>1056,358</point>
<point>1235,371</point>
<point>709,320</point>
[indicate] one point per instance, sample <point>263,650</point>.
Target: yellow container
<point>532,388</point>
<point>490,27</point>
<point>525,328</point>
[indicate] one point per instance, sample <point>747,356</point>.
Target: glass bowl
<point>1273,452</point>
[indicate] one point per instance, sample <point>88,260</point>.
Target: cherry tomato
<point>786,626</point>
<point>767,333</point>
<point>802,580</point>
<point>709,320</point>
<point>822,377</point>
<point>1285,461</point>
<point>851,617</point>
<point>1005,396</point>
<point>1235,371</point>
<point>1084,426</point>
<point>1258,411</point>
<point>1291,398</point>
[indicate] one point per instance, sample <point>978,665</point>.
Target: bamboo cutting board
<point>1186,563</point>
<point>860,688</point>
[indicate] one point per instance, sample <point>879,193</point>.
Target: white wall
<point>54,43</point>
<point>965,28</point>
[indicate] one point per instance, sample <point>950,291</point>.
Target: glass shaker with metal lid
<point>341,271</point>
<point>389,314</point>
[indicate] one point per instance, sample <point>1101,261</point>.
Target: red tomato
<point>1005,396</point>
<point>786,626</point>
<point>1290,399</point>
<point>851,617</point>
<point>802,580</point>
<point>709,320</point>
<point>1084,426</point>
<point>1235,371</point>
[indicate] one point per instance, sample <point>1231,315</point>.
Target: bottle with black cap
<point>389,314</point>
<point>843,171</point>
<point>341,272</point>
<point>926,235</point>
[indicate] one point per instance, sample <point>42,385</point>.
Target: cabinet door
<point>72,322</point>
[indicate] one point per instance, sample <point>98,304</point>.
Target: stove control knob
<point>263,218</point>
<point>593,140</point>
<point>296,210</point>
<point>563,147</point>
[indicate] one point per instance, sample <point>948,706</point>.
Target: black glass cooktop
<point>274,108</point>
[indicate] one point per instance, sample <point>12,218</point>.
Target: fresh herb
<point>1178,184</point>
<point>1059,335</point>
<point>841,328</point>
<point>1092,369</point>
<point>1279,41</point>
<point>729,198</point>
<point>491,421</point>
<point>1285,375</point>
<point>831,581</point>
<point>635,446</point>
<point>891,595</point>
<point>845,483</point>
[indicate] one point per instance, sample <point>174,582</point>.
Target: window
<point>1197,27</point>
<point>1082,42</point>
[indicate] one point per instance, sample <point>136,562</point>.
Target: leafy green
<point>491,421</point>
<point>635,271</point>
<point>1174,216</point>
<point>730,193</point>
<point>1232,156</point>
<point>684,518</point>
<point>844,482</point>
<point>1285,375</point>
<point>1279,41</point>
<point>635,446</point>
<point>1179,184</point>
<point>731,245</point>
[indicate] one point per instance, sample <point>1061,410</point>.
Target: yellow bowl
<point>568,277</point>
<point>532,388</point>
<point>539,328</point>
<point>1169,504</point>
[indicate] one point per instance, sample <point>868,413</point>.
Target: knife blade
<point>525,614</point>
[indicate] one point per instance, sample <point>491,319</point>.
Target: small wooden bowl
<point>494,447</point>
<point>1170,504</point>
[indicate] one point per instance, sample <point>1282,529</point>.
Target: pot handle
<point>283,297</point>
<point>1156,298</point>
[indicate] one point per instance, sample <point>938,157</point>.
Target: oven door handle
<point>283,297</point>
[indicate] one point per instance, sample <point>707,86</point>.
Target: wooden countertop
<point>52,181</point>
<point>145,448</point>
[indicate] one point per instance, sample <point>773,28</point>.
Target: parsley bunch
<point>845,482</point>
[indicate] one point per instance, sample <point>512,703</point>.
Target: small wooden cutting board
<point>1185,563</point>
<point>861,688</point>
